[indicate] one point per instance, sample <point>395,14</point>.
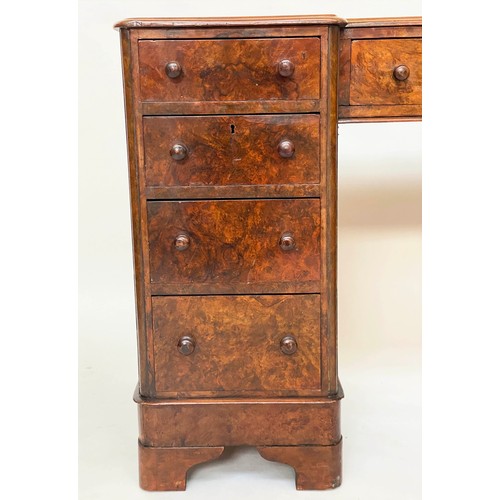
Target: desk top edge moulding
<point>232,148</point>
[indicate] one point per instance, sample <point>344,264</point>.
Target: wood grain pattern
<point>382,32</point>
<point>165,469</point>
<point>234,242</point>
<point>230,107</point>
<point>392,113</point>
<point>234,191</point>
<point>372,66</point>
<point>316,467</point>
<point>373,22</point>
<point>237,342</point>
<point>394,33</point>
<point>213,271</point>
<point>231,150</point>
<point>344,70</point>
<point>228,22</point>
<point>133,144</point>
<point>242,421</point>
<point>329,250</point>
<point>229,70</point>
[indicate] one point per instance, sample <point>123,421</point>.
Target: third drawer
<point>234,246</point>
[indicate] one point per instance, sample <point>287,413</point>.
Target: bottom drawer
<point>206,345</point>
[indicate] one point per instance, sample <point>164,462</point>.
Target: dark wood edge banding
<point>233,192</point>
<point>230,107</point>
<point>319,400</point>
<point>207,22</point>
<point>383,22</point>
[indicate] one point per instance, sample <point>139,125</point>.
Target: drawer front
<point>386,72</point>
<point>237,246</point>
<point>228,70</point>
<point>235,343</point>
<point>231,150</point>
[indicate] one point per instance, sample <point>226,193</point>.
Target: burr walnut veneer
<point>232,141</point>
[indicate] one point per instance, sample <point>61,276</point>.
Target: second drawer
<point>231,246</point>
<point>231,150</point>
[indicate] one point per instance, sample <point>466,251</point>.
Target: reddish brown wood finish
<point>230,22</point>
<point>372,72</point>
<point>229,70</point>
<point>231,150</point>
<point>237,345</point>
<point>230,107</point>
<point>316,467</point>
<point>211,275</point>
<point>234,191</point>
<point>370,50</point>
<point>242,421</point>
<point>165,469</point>
<point>234,244</point>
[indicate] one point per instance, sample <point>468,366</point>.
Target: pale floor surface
<point>379,327</point>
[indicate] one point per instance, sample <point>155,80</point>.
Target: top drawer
<point>229,70</point>
<point>386,72</point>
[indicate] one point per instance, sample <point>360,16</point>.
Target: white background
<point>38,203</point>
<point>379,286</point>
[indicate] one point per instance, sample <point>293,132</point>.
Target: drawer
<point>229,70</point>
<point>234,246</point>
<point>231,150</point>
<point>375,79</point>
<point>234,343</point>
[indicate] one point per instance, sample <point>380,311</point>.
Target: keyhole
<point>232,129</point>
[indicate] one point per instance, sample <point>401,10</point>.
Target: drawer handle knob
<point>173,69</point>
<point>178,152</point>
<point>288,345</point>
<point>286,148</point>
<point>286,68</point>
<point>186,345</point>
<point>287,242</point>
<point>182,242</point>
<point>401,72</point>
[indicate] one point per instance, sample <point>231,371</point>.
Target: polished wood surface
<point>316,467</point>
<point>204,22</point>
<point>239,421</point>
<point>238,345</point>
<point>231,150</point>
<point>165,469</point>
<point>235,245</point>
<point>229,70</point>
<point>232,135</point>
<point>386,72</point>
<point>372,54</point>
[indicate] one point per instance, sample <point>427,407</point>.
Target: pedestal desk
<point>232,144</point>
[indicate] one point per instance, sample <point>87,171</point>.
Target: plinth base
<point>175,435</point>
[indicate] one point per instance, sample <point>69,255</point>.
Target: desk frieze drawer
<point>206,345</point>
<point>234,246</point>
<point>229,70</point>
<point>231,150</point>
<point>386,72</point>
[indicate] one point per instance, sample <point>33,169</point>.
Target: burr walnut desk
<point>232,142</point>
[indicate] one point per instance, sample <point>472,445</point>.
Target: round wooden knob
<point>173,69</point>
<point>401,72</point>
<point>286,68</point>
<point>182,242</point>
<point>288,345</point>
<point>186,345</point>
<point>287,242</point>
<point>286,149</point>
<point>178,152</point>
